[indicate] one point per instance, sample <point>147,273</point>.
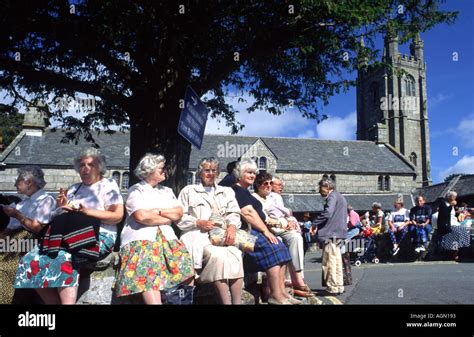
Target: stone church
<point>389,159</point>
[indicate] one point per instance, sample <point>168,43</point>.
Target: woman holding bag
<point>204,206</point>
<point>152,257</point>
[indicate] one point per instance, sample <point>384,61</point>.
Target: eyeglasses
<point>267,183</point>
<point>209,171</point>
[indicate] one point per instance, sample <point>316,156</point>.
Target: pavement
<point>431,282</point>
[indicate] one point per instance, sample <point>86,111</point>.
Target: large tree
<point>10,125</point>
<point>137,57</point>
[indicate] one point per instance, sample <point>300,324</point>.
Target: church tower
<point>392,104</point>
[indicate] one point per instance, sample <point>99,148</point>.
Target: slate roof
<point>293,154</point>
<point>360,202</point>
<point>48,150</point>
<point>464,187</point>
<point>313,154</point>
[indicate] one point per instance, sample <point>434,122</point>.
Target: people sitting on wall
<point>93,207</point>
<point>285,228</point>
<point>398,225</point>
<point>152,258</point>
<point>28,216</point>
<point>452,234</point>
<point>269,255</point>
<point>420,219</point>
<point>207,206</point>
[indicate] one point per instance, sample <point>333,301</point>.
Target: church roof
<point>464,187</point>
<point>292,154</point>
<point>313,154</point>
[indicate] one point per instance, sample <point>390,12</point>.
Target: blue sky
<point>450,101</point>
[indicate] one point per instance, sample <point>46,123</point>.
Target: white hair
<point>451,194</point>
<point>376,205</point>
<point>148,164</point>
<point>244,165</point>
<point>210,160</point>
<point>94,153</point>
<point>33,173</point>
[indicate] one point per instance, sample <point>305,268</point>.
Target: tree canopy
<point>10,125</point>
<point>135,58</point>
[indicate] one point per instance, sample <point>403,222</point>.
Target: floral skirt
<point>152,265</point>
<point>38,270</point>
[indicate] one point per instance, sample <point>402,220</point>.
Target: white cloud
<point>261,122</point>
<point>464,165</point>
<point>465,130</point>
<point>338,128</point>
<point>437,99</point>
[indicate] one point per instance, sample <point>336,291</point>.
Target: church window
<point>387,183</point>
<point>116,177</point>
<point>125,180</point>
<point>380,183</point>
<point>262,163</point>
<point>409,86</point>
<point>413,158</point>
<point>325,176</point>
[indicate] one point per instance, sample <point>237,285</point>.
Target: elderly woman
<point>203,204</point>
<point>452,235</point>
<point>270,255</point>
<point>30,214</point>
<point>56,278</point>
<point>152,257</point>
<point>285,228</point>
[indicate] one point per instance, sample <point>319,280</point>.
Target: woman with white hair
<point>30,214</point>
<point>269,255</point>
<point>452,235</point>
<point>96,198</point>
<point>152,257</point>
<point>205,205</point>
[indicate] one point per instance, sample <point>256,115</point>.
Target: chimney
<point>35,120</point>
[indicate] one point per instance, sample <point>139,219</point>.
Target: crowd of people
<point>257,232</point>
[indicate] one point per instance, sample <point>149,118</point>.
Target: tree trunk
<point>153,129</point>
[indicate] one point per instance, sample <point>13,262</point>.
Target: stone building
<point>392,104</point>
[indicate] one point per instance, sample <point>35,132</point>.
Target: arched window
<point>333,178</point>
<point>189,178</point>
<point>380,183</point>
<point>387,183</point>
<point>413,158</point>
<point>409,86</point>
<point>116,177</point>
<point>125,180</point>
<point>325,176</point>
<point>262,163</point>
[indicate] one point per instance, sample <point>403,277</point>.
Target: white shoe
<point>421,249</point>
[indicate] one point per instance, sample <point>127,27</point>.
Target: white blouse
<point>143,196</point>
<point>39,206</point>
<point>97,196</point>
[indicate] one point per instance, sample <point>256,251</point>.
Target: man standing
<point>331,227</point>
